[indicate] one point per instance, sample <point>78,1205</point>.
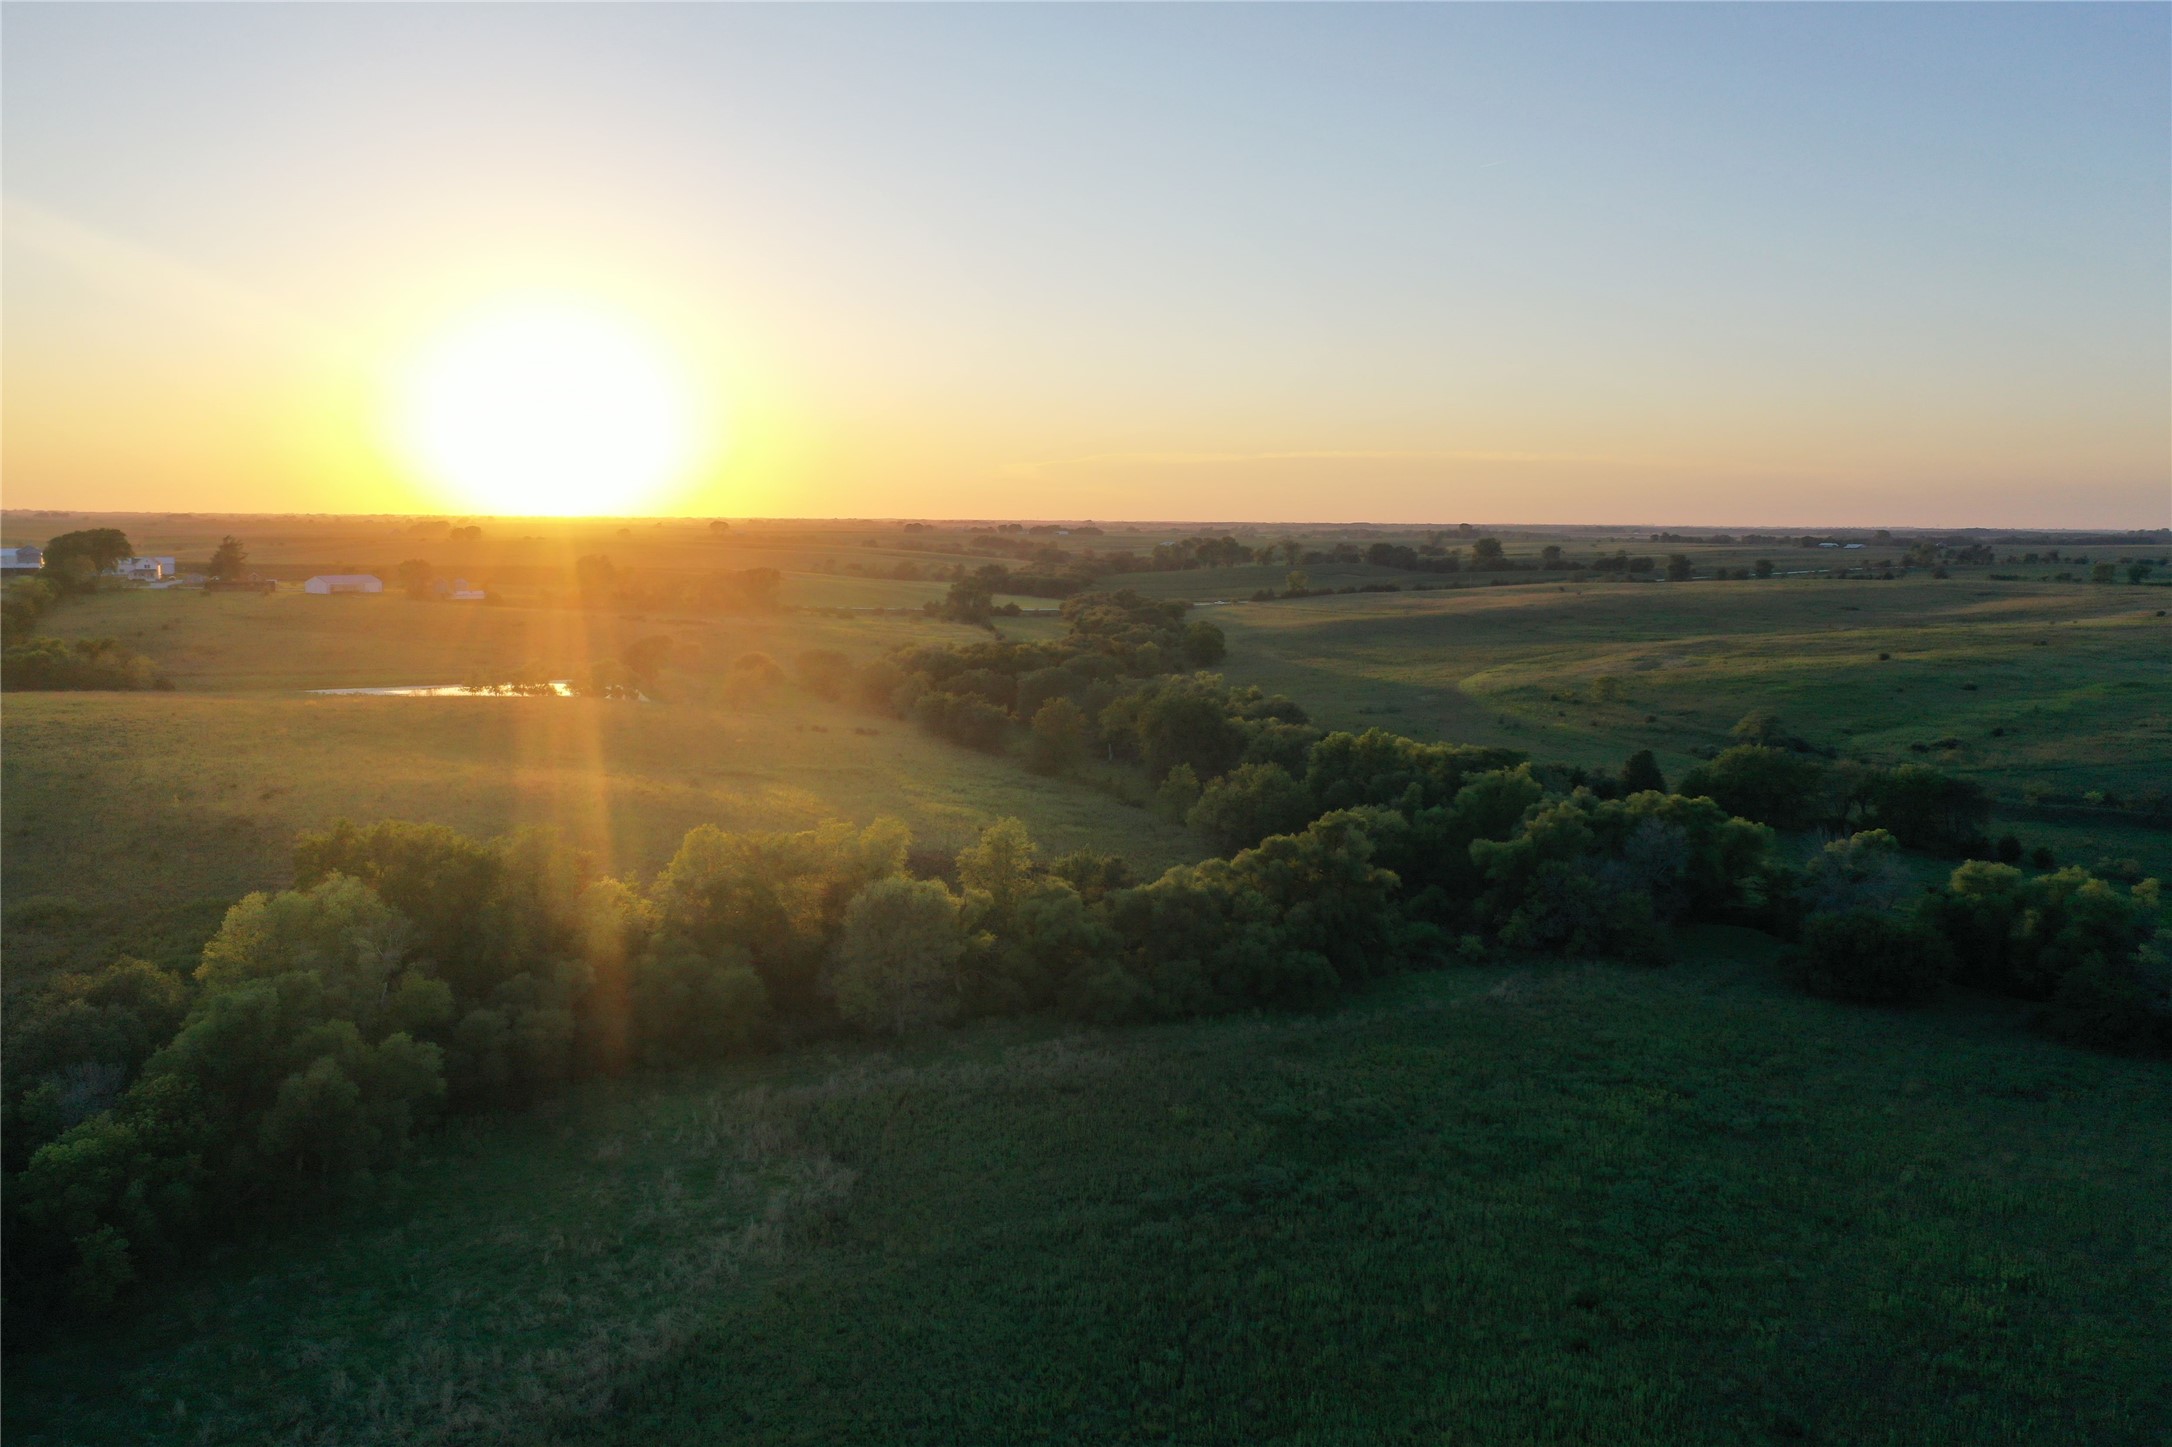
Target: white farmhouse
<point>148,569</point>
<point>344,583</point>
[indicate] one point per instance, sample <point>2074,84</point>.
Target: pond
<point>557,687</point>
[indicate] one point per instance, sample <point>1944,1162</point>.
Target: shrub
<point>2121,1004</point>
<point>1871,957</point>
<point>752,679</point>
<point>84,663</point>
<point>825,672</point>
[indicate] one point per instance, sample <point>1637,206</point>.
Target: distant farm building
<point>147,569</point>
<point>344,583</point>
<point>16,561</point>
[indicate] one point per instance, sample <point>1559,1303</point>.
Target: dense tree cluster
<point>2094,957</point>
<point>978,694</point>
<point>1788,788</point>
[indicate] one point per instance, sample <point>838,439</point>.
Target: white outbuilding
<point>344,583</point>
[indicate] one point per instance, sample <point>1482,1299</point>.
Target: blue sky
<point>1746,264</point>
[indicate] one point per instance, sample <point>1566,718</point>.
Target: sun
<point>548,408</point>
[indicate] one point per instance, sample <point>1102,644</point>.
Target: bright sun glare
<point>548,408</point>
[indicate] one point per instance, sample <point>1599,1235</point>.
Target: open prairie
<point>2045,693</point>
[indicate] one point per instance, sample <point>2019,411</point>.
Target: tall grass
<point>1568,1204</point>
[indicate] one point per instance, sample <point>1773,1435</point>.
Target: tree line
<point>73,564</point>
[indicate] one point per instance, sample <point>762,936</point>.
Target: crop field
<point>1571,1204</point>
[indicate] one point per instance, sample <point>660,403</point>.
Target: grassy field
<point>283,642</point>
<point>1493,1205</point>
<point>133,820</point>
<point>2071,676</point>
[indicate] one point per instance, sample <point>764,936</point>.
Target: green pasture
<point>134,819</point>
<point>246,642</point>
<point>2072,677</point>
<point>1500,1205</point>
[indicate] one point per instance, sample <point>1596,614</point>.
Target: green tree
<point>229,561</point>
<point>416,576</point>
<point>1772,786</point>
<point>1059,737</point>
<point>1922,807</point>
<point>1177,793</point>
<point>1763,567</point>
<point>1641,772</point>
<point>79,556</point>
<point>1678,568</point>
<point>999,866</point>
<point>778,897</point>
<point>896,960</point>
<point>688,1005</point>
<point>1249,803</point>
<point>1764,727</point>
<point>337,931</point>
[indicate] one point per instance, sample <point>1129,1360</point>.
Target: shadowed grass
<point>1559,1205</point>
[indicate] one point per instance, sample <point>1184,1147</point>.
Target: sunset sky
<point>1786,265</point>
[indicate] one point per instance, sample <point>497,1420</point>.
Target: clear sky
<point>1774,264</point>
